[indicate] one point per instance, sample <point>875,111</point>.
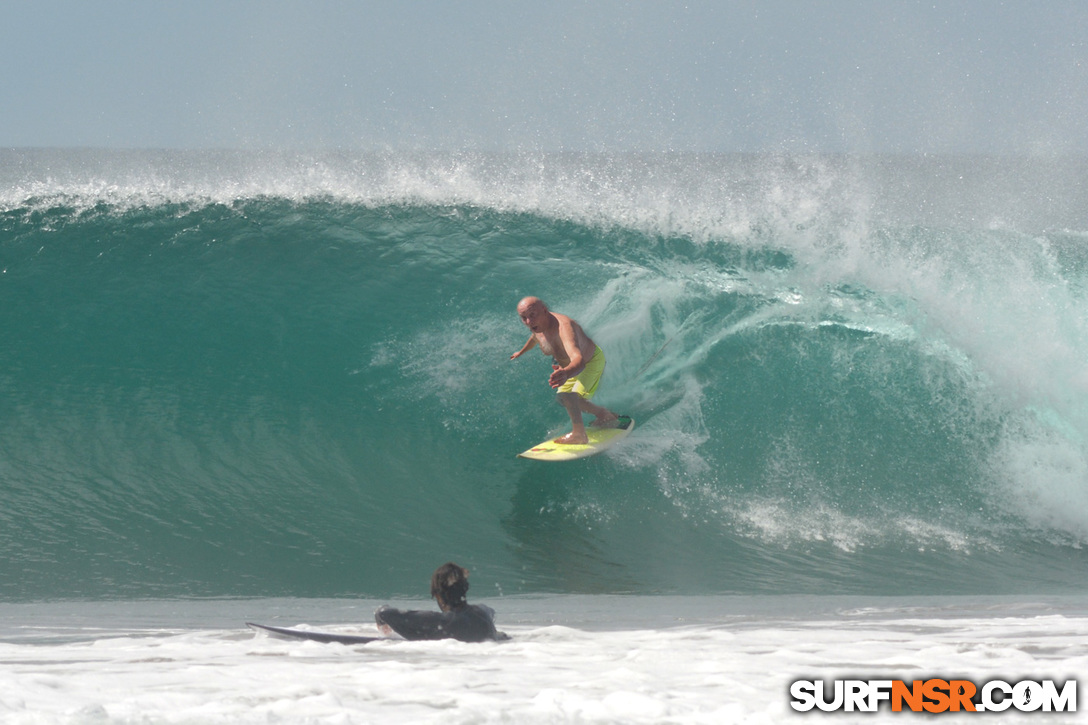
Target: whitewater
<point>276,387</point>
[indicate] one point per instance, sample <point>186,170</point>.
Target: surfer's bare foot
<point>605,420</point>
<point>571,439</point>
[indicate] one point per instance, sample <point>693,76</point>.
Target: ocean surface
<point>230,381</point>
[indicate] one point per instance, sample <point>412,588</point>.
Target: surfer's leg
<point>587,382</point>
<point>605,417</point>
<point>577,434</point>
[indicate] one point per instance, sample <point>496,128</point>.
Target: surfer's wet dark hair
<point>449,586</point>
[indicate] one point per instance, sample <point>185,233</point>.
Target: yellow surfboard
<point>600,439</point>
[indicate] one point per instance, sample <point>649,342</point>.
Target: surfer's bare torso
<point>551,343</point>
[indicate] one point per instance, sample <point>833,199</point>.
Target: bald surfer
<point>458,619</point>
<point>576,372</point>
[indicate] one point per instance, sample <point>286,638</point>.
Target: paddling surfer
<point>458,619</point>
<point>579,364</point>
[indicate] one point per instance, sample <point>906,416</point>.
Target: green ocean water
<point>241,375</point>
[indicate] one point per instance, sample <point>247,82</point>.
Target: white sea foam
<point>587,659</point>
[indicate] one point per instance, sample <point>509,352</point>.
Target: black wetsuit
<point>469,623</point>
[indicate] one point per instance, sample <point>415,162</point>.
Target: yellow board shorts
<point>585,383</point>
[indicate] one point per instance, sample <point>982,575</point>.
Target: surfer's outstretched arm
<point>528,346</point>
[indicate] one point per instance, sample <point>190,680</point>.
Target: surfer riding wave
<point>579,365</point>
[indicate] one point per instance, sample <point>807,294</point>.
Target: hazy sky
<point>854,75</point>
